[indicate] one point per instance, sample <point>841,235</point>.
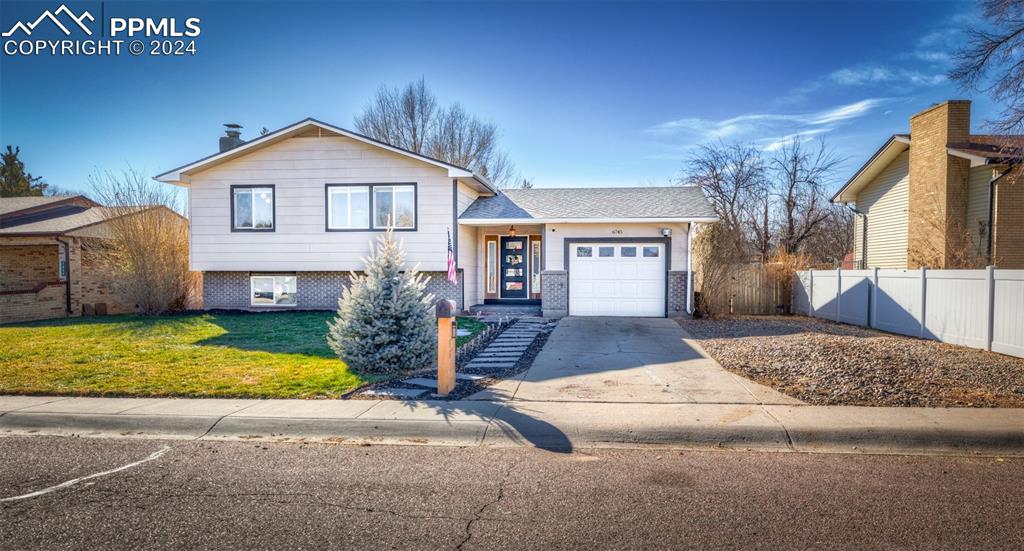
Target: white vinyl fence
<point>977,308</point>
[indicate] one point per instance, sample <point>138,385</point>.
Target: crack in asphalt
<point>480,512</point>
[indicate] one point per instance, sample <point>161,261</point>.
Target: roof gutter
<point>663,220</point>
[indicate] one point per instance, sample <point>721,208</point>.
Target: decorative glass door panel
<point>513,267</point>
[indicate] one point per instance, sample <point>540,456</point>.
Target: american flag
<point>451,261</point>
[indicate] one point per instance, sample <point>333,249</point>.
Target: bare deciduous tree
<point>732,176</point>
<point>996,52</point>
<point>801,175</point>
<point>412,118</point>
<point>834,238</point>
<point>148,244</point>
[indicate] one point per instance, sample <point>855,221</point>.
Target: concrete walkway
<point>629,360</point>
<point>556,426</point>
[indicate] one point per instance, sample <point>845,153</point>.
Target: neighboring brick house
<point>52,261</point>
<point>940,197</point>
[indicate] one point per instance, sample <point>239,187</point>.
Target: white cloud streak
<point>772,129</point>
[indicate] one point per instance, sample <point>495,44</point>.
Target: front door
<point>513,267</point>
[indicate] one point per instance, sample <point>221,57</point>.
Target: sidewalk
<point>557,426</point>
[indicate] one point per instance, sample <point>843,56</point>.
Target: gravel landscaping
<point>826,363</point>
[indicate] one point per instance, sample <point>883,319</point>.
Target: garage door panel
<point>617,285</point>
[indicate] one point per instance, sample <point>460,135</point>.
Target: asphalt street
<point>118,493</point>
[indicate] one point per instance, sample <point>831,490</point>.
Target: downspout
<point>991,209</point>
<point>67,276</point>
<point>689,269</point>
<point>863,237</point>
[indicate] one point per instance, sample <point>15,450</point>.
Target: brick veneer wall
<point>554,286</point>
<point>677,293</point>
<point>99,283</point>
<point>46,304</point>
<point>938,183</point>
<point>25,266</point>
<point>314,290</point>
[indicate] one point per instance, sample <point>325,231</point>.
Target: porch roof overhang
<point>507,221</point>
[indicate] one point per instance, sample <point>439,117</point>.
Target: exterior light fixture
<point>512,231</point>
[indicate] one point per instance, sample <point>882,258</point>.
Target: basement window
<point>273,290</point>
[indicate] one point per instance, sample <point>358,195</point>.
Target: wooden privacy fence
<point>976,308</point>
<point>754,290</point>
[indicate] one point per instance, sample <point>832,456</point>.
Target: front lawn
<point>259,355</point>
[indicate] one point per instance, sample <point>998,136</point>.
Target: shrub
<point>384,323</point>
<point>147,242</point>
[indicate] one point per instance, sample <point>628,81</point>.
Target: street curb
<point>354,431</point>
<point>512,427</point>
<point>128,426</point>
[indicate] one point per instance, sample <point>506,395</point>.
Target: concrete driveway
<point>642,360</point>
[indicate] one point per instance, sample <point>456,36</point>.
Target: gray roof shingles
<point>583,203</point>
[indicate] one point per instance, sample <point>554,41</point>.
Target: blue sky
<point>585,94</point>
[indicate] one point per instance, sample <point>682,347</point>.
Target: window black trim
<point>273,208</point>
<point>370,186</point>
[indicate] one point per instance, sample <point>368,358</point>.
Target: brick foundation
<point>314,290</point>
<point>677,293</point>
<point>554,285</point>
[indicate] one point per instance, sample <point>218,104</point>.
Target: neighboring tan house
<point>53,262</point>
<point>280,221</point>
<point>940,197</point>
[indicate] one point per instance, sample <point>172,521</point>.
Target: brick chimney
<point>938,183</point>
<point>232,137</point>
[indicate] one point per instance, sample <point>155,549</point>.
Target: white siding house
<point>281,221</point>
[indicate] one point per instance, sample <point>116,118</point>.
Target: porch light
<point>511,231</point>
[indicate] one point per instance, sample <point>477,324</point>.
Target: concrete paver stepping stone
<point>486,366</point>
<point>492,360</point>
<point>421,381</point>
<point>406,393</point>
<point>470,376</point>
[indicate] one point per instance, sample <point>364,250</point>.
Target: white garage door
<point>617,279</point>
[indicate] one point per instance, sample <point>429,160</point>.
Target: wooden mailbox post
<point>445,312</point>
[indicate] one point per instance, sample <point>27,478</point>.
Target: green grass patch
<point>470,324</point>
<point>250,355</point>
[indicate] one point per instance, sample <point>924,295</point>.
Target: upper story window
<point>252,208</point>
<point>355,207</point>
<point>348,207</point>
<point>395,205</point>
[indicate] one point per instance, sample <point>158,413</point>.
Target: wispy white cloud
<point>756,125</point>
<point>871,74</point>
<point>776,143</point>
